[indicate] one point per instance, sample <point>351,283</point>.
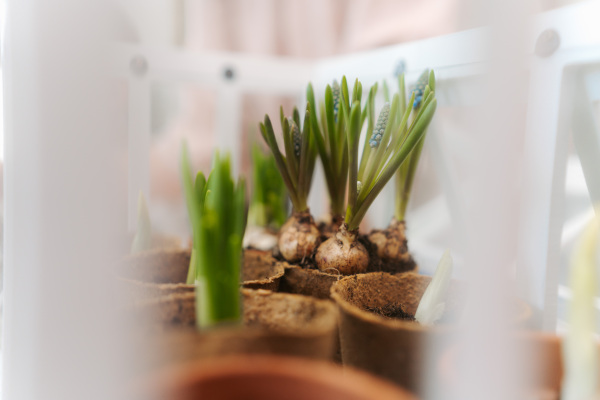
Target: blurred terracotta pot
<point>273,323</point>
<point>393,348</point>
<point>156,273</point>
<point>264,378</point>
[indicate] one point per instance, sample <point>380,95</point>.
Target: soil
<point>392,311</point>
<point>273,323</point>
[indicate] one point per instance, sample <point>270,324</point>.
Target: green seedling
<point>433,303</point>
<point>299,236</point>
<point>268,205</point>
<point>391,242</point>
<point>580,349</point>
<point>218,213</point>
<point>391,137</point>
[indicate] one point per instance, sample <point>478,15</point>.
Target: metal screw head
<point>547,43</point>
<point>138,65</point>
<point>229,73</point>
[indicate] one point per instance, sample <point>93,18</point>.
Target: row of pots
<point>292,325</point>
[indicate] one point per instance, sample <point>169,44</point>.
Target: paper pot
<point>393,348</point>
<point>274,323</point>
<point>156,273</point>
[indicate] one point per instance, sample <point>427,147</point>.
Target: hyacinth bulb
<point>380,126</point>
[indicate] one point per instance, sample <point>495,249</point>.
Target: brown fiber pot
<point>274,323</point>
<point>156,273</point>
<point>391,348</point>
<point>264,378</point>
<point>309,281</point>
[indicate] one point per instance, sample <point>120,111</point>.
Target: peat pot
<point>156,273</point>
<point>373,336</point>
<point>273,323</point>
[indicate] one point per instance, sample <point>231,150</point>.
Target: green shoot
<point>143,236</point>
<point>268,206</point>
<point>406,174</point>
<point>580,350</point>
<point>391,139</point>
<point>331,139</point>
<point>433,303</point>
<point>217,210</point>
<point>298,163</point>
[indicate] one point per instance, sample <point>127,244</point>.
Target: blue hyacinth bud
<point>419,89</point>
<point>380,126</point>
<point>335,90</point>
<point>296,138</point>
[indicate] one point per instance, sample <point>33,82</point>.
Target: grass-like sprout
<point>299,236</point>
<point>390,140</point>
<point>391,243</point>
<point>218,214</point>
<point>580,349</point>
<point>330,137</point>
<point>406,174</point>
<point>143,235</point>
<point>268,205</point>
<point>433,302</point>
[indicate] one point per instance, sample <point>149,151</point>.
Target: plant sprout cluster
<point>332,131</point>
<point>268,205</point>
<point>353,182</point>
<point>218,213</point>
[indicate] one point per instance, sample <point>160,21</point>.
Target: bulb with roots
<point>343,253</point>
<point>298,237</point>
<point>391,243</point>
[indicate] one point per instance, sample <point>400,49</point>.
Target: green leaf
<point>353,139</point>
<point>414,136</point>
<point>269,136</point>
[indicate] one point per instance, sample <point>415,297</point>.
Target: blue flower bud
<point>379,129</point>
<point>296,138</point>
<point>335,90</point>
<point>420,86</point>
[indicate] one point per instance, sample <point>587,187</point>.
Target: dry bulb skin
<point>298,237</point>
<point>343,253</point>
<point>391,243</point>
